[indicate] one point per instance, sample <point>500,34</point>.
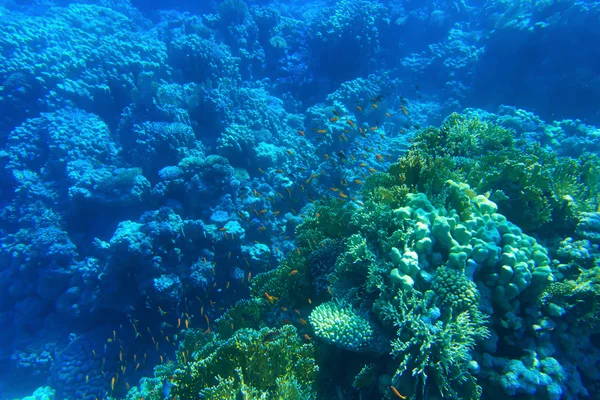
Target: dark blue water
<point>243,198</point>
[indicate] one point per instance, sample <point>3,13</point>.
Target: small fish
<point>379,157</point>
<point>322,131</point>
<point>404,110</point>
<point>375,106</point>
<point>270,298</point>
<point>350,122</point>
<point>397,393</point>
<point>301,133</point>
<point>290,152</point>
<point>223,229</point>
<point>302,321</point>
<point>388,115</point>
<point>307,337</point>
<point>359,108</point>
<point>334,119</point>
<point>358,181</point>
<point>262,228</point>
<point>293,272</point>
<point>336,113</point>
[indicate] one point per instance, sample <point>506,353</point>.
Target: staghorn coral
<point>437,351</point>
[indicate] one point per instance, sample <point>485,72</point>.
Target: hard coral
<point>266,363</point>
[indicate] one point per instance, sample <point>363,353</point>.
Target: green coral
<point>270,364</point>
<point>281,285</point>
<point>246,313</point>
<point>341,326</point>
<point>578,299</point>
<point>454,290</point>
<point>434,354</point>
<point>532,187</point>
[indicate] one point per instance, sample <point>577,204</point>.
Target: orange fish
<point>397,393</point>
<point>262,228</point>
<point>261,171</point>
<point>326,157</point>
<point>387,114</point>
<point>373,128</point>
<point>375,106</point>
<point>301,133</point>
<point>404,110</point>
<point>270,298</point>
<point>223,229</point>
<point>293,272</point>
<point>373,170</point>
<point>279,171</point>
<point>350,122</point>
<point>359,108</point>
<point>342,195</point>
<point>334,119</point>
<point>358,182</point>
<point>379,157</point>
<point>302,321</point>
<point>291,153</point>
<point>307,337</point>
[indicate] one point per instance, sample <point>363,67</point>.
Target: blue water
<point>158,156</point>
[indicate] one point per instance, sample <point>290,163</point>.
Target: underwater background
<point>296,199</point>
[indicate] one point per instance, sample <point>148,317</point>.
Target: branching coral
<point>272,364</point>
<point>435,349</point>
<point>533,187</point>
